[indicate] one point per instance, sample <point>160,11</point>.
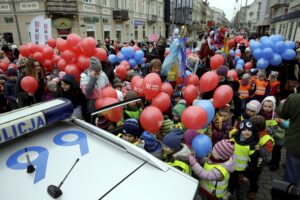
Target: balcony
<point>61,7</point>
<point>279,3</point>
<point>152,19</point>
<point>120,15</point>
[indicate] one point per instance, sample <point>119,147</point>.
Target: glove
<point>141,144</point>
<point>183,153</point>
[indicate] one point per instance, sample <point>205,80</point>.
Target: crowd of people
<point>247,133</point>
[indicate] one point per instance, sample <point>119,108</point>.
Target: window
<point>126,6</point>
<point>143,6</point>
<point>29,6</point>
<point>105,3</point>
<point>4,6</point>
<point>153,30</point>
<point>119,35</point>
<point>89,1</point>
<point>135,6</point>
<point>118,4</point>
<point>105,21</point>
<point>136,33</point>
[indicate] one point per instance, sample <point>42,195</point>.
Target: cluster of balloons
<point>272,50</point>
<point>133,55</point>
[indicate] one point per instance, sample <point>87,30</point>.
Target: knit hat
<point>273,100</point>
<point>167,126</point>
<point>130,74</point>
<point>95,64</point>
<point>253,105</point>
<point>69,79</point>
<point>103,123</point>
<point>246,124</point>
<point>174,139</point>
<point>178,109</point>
<point>274,74</point>
<point>131,126</point>
<point>222,70</point>
<point>11,72</point>
<point>224,148</point>
<point>131,95</point>
<point>152,145</point>
<point>188,137</point>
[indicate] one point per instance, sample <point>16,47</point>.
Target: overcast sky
<point>228,6</point>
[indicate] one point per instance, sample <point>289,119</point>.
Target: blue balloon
<point>236,59</point>
<point>276,60</point>
<point>121,57</point>
<point>138,55</point>
<point>202,145</point>
<point>129,52</point>
<point>238,66</point>
<point>132,62</point>
<point>240,62</point>
<point>290,45</point>
<point>208,107</point>
<point>141,61</point>
<point>231,52</point>
<point>276,38</point>
<point>257,53</point>
<point>263,38</point>
<point>112,58</point>
<point>279,47</point>
<point>262,64</point>
<point>237,51</point>
<point>267,43</point>
<point>288,54</point>
<point>267,53</point>
<point>254,45</point>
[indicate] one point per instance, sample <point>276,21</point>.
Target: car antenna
<point>30,167</point>
<point>55,191</point>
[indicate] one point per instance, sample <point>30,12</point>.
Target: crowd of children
<point>246,134</point>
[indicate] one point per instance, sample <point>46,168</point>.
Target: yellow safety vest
<point>265,139</point>
<point>220,187</point>
<point>241,156</point>
<point>271,122</point>
<point>182,166</point>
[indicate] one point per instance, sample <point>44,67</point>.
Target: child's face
<point>246,133</point>
<point>65,86</point>
<point>132,104</point>
<point>268,106</point>
<point>272,78</point>
<point>118,88</point>
<point>250,113</point>
<point>261,78</point>
<point>224,113</point>
<point>128,137</point>
<point>175,117</point>
<point>176,99</point>
<point>156,69</point>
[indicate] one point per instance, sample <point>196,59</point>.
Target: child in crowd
<point>10,88</point>
<point>274,85</point>
<point>255,167</point>
<point>167,126</point>
<point>252,108</point>
<point>245,89</point>
<point>261,84</point>
<point>267,110</point>
<point>215,173</point>
<point>104,123</point>
<point>133,109</point>
<point>131,131</point>
<point>177,111</point>
<point>221,125</point>
<point>177,96</point>
<point>244,150</point>
<point>155,66</point>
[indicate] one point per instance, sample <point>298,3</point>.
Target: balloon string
<point>34,100</point>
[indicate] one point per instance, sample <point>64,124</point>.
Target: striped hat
<point>224,148</point>
<point>167,126</point>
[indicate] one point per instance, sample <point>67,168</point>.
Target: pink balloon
<point>76,49</point>
<point>222,96</point>
<point>38,56</point>
<point>194,117</point>
<point>138,86</point>
<point>152,83</point>
<point>121,72</point>
<point>167,88</point>
<point>208,81</point>
<point>4,66</point>
<point>151,119</point>
<point>136,77</point>
<point>73,39</point>
<point>248,65</point>
<point>83,62</point>
<point>233,74</point>
<point>162,101</point>
<point>126,64</point>
<point>109,92</point>
<point>24,51</point>
<point>33,48</point>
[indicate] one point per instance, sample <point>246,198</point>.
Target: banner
<point>40,30</point>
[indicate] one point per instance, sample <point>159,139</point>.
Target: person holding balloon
<point>92,81</point>
<point>30,84</point>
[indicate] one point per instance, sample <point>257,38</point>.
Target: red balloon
<point>76,49</point>
<point>98,103</point>
<point>138,86</point>
<point>135,78</point>
<point>51,42</point>
<point>208,81</point>
<point>135,48</point>
<point>162,101</point>
<point>151,119</point>
<point>114,114</point>
<point>152,83</point>
<point>167,88</point>
<point>47,64</point>
<point>101,54</point>
<point>216,61</point>
<point>68,56</point>
<point>194,117</point>
<point>233,74</point>
<point>88,46</point>
<point>190,93</point>
<point>73,39</point>
<point>192,80</point>
<point>121,72</point>
<point>4,66</point>
<point>29,84</point>
<point>55,59</point>
<point>38,56</point>
<point>83,62</point>
<point>238,38</point>
<point>73,70</point>
<point>231,43</point>
<point>109,92</point>
<point>61,44</point>
<point>61,64</point>
<point>248,65</point>
<point>222,96</point>
<point>48,52</point>
<point>24,51</point>
<point>33,48</point>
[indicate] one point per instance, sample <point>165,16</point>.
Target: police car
<point>47,154</point>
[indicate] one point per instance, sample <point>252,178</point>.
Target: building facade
<point>122,20</point>
<point>252,16</point>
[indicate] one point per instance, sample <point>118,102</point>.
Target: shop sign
<point>90,19</point>
<point>9,20</point>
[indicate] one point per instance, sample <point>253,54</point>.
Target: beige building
<point>115,19</point>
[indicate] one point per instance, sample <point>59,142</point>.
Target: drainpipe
<point>17,22</point>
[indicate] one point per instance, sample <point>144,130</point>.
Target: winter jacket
<point>10,93</point>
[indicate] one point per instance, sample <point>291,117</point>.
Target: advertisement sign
<point>40,30</point>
